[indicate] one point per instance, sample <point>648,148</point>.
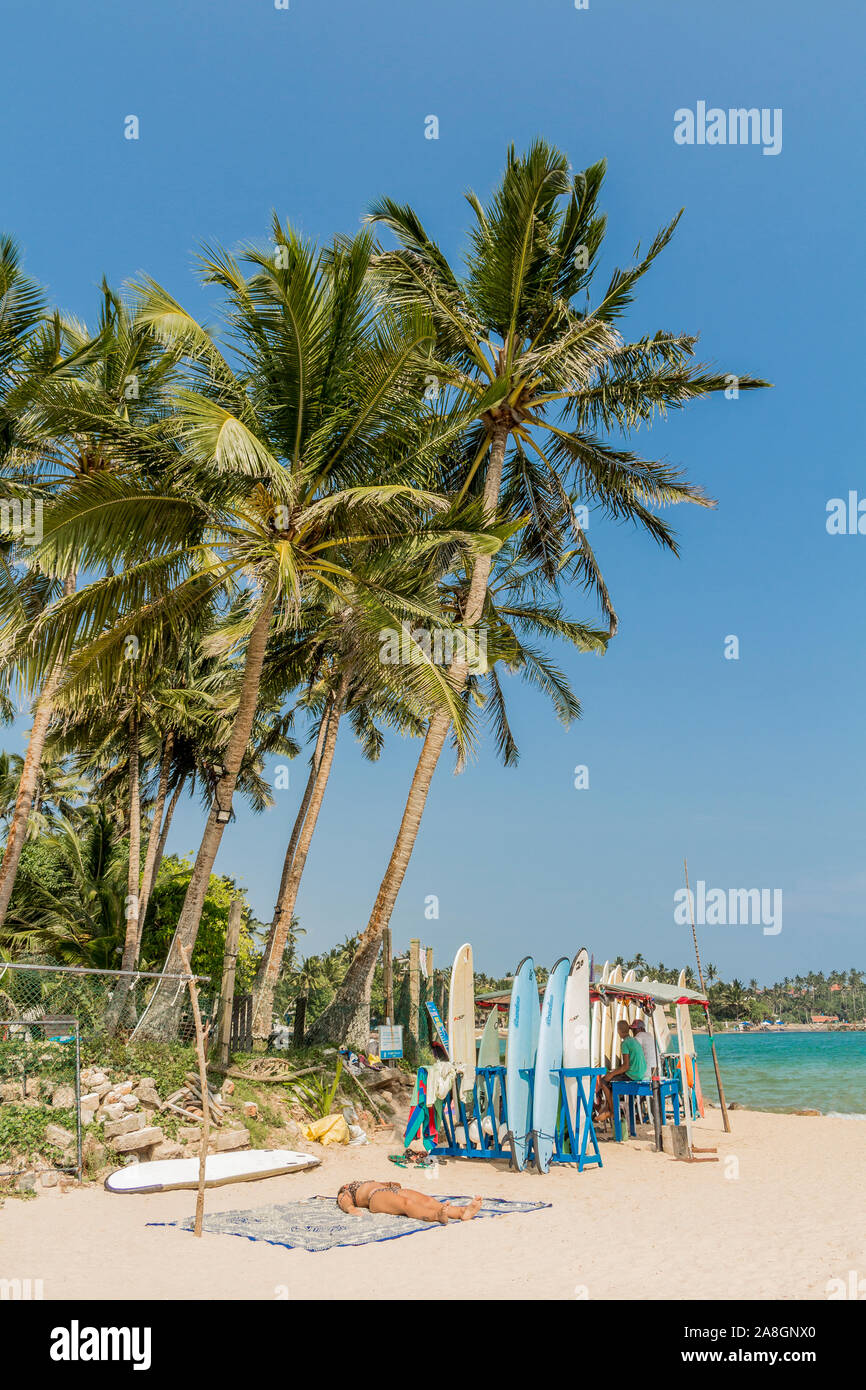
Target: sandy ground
<point>779,1215</point>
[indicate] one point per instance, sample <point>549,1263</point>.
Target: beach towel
<point>319,1224</point>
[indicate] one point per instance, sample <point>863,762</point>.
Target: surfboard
<point>461,1013</point>
<point>576,1026</point>
<point>631,1008</point>
<point>489,1056</point>
<point>599,1013</point>
<point>170,1174</point>
<point>614,1014</point>
<point>690,1049</point>
<point>545,1098</point>
<point>524,1017</point>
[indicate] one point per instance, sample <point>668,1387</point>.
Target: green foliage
<point>207,958</point>
<point>22,1131</point>
<point>315,1094</point>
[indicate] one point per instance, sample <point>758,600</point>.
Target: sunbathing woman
<point>355,1197</point>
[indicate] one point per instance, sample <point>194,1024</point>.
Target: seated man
<point>632,1068</point>
<point>647,1043</point>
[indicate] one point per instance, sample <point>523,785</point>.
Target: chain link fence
<point>34,991</point>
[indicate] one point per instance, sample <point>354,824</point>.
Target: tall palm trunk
<point>119,1009</point>
<point>29,780</point>
<point>154,837</point>
<point>347,1017</point>
<point>293,866</point>
<point>163,834</point>
<point>162,1015</point>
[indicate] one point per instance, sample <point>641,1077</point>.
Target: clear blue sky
<point>754,768</point>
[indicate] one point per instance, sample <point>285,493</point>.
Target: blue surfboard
<point>523,1023</point>
<point>545,1099</point>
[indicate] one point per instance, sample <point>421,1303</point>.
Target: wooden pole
<point>388,969</point>
<point>227,989</point>
<point>414,995</point>
<point>725,1121</point>
<point>200,1043</point>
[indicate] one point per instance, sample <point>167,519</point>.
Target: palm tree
<point>262,484</point>
<point>522,367</point>
<point>120,372</point>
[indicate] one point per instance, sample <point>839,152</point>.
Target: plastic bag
<point>331,1130</point>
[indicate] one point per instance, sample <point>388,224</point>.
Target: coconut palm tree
<point>121,372</point>
<point>266,478</point>
<point>535,376</point>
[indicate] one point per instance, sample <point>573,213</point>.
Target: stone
<point>113,1112</point>
<point>148,1095</point>
<point>101,1089</point>
<point>11,1090</point>
<point>807,1112</point>
<point>26,1182</point>
<point>129,1102</point>
<point>190,1134</point>
<point>124,1089</point>
<point>139,1139</point>
<point>63,1097</point>
<point>90,1101</point>
<point>169,1148</point>
<point>128,1124</point>
<point>228,1087</point>
<point>49,1179</point>
<point>95,1079</point>
<point>92,1149</point>
<point>229,1139</point>
<point>62,1138</point>
<point>251,1110</point>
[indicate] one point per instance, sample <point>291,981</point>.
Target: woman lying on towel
<point>355,1197</point>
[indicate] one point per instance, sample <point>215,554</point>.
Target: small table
<point>668,1089</point>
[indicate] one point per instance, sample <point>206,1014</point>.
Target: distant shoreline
<point>783,1028</point>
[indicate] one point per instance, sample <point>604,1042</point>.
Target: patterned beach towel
<point>319,1224</point>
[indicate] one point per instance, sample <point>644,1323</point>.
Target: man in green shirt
<point>632,1068</point>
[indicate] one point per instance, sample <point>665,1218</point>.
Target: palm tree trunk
<point>117,1007</point>
<point>347,1017</point>
<point>29,777</point>
<point>162,1015</point>
<point>119,1010</point>
<point>163,834</point>
<point>293,866</point>
<point>154,838</point>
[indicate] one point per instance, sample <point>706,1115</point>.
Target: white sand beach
<point>777,1217</point>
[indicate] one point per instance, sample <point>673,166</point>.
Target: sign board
<point>391,1041</point>
<point>439,1025</point>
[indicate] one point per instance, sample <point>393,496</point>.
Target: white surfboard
<point>461,1016</point>
<point>599,1013</point>
<point>688,1036</point>
<point>170,1174</point>
<point>576,1025</point>
<point>614,1015</point>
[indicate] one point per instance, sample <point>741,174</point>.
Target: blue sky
<point>754,768</point>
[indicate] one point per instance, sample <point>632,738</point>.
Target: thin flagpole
<point>719,1087</point>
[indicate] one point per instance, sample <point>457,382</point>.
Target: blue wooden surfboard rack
<point>574,1141</point>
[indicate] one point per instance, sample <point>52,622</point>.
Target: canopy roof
<point>658,990</point>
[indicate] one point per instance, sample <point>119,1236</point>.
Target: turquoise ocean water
<point>788,1071</point>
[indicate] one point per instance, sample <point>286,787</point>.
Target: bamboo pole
<point>200,1040</point>
<point>227,989</point>
<point>725,1121</point>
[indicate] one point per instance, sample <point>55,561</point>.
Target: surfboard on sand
<point>599,1013</point>
<point>614,1013</point>
<point>524,1017</point>
<point>548,1057</point>
<point>576,1025</point>
<point>169,1174</point>
<point>461,1015</point>
<point>689,1046</point>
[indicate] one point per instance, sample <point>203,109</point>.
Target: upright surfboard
<point>488,1056</point>
<point>461,1015</point>
<point>545,1098</point>
<point>599,1013</point>
<point>689,1045</point>
<point>576,1026</point>
<point>523,1024</point>
<point>614,1011</point>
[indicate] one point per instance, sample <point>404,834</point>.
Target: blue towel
<point>319,1224</point>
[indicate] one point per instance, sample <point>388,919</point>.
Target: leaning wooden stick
<point>725,1121</point>
<point>205,1109</point>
